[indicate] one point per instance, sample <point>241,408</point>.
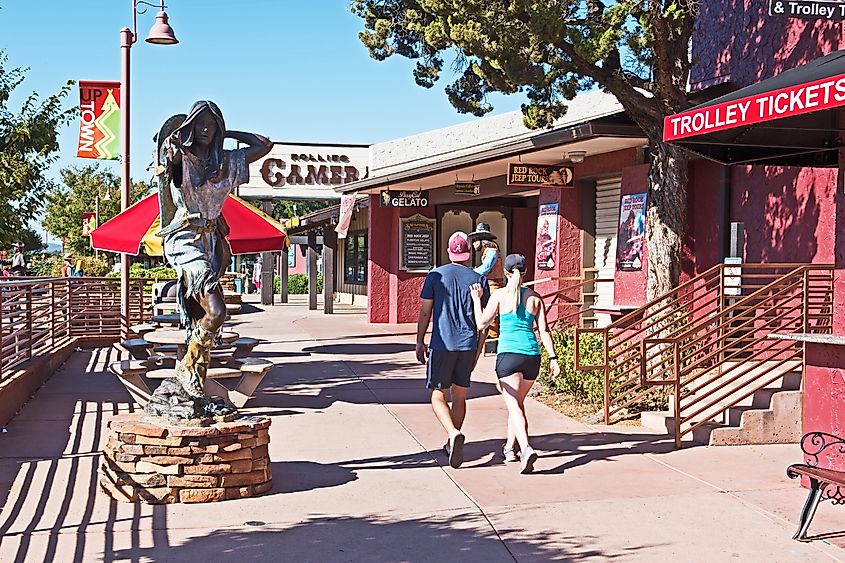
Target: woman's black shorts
<point>509,363</point>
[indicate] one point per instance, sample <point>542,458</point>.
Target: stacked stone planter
<point>154,463</point>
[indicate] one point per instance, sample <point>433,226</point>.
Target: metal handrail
<point>699,299</point>
<point>38,315</point>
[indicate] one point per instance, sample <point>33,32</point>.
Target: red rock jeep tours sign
<point>819,95</point>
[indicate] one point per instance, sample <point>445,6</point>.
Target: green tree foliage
<point>284,209</point>
<point>28,146</point>
<point>638,50</point>
<point>32,241</point>
<point>78,195</point>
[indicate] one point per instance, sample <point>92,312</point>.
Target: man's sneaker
<point>456,450</point>
<point>510,454</point>
<point>529,456</point>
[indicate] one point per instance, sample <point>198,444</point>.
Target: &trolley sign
<point>833,10</point>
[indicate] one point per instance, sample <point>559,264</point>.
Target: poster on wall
<point>630,241</point>
<point>547,237</point>
<point>416,242</point>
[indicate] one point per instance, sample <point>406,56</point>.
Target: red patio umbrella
<point>251,230</point>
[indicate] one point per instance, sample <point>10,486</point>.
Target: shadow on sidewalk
<point>361,349</point>
<point>579,448</point>
<point>450,537</point>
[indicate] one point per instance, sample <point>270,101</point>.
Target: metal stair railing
<point>570,305</point>
<point>665,318</point>
<point>721,360</point>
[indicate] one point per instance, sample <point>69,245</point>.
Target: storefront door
<point>465,218</point>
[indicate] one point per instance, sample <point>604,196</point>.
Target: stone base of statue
<point>150,461</point>
<point>170,402</point>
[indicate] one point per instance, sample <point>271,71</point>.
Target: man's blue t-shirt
<point>454,316</point>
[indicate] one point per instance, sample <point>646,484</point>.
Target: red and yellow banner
<point>99,120</point>
<point>89,223</point>
<point>825,93</point>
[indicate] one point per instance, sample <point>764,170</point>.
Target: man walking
<point>451,355</point>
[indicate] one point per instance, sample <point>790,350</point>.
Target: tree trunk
<point>666,217</point>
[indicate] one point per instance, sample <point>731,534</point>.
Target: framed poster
<point>630,238</point>
<point>416,243</point>
<point>544,175</point>
<point>547,237</point>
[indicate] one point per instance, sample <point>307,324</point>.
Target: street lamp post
<point>97,213</point>
<point>160,34</point>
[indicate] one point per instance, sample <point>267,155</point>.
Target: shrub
<point>45,266</point>
<point>93,267</point>
<point>138,270</point>
<point>585,385</point>
<point>298,284</point>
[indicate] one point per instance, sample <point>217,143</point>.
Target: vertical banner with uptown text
<point>99,120</point>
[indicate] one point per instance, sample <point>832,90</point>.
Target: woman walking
<point>520,310</point>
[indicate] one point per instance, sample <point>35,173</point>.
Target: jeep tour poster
<point>630,241</point>
<point>547,237</point>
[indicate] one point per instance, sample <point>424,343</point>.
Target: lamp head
<point>576,157</point>
<point>107,197</point>
<point>161,33</point>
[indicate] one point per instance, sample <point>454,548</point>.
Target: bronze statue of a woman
<point>195,175</point>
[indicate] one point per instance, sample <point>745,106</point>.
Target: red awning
<point>789,118</point>
<point>251,230</point>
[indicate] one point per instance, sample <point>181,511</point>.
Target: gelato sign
<point>404,198</point>
<point>305,171</point>
<point>808,9</point>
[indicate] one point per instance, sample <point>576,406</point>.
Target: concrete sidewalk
<point>359,474</point>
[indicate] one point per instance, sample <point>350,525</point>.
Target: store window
<point>355,258</point>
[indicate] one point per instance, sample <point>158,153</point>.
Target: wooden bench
<point>143,328</point>
<point>825,484</point>
<point>138,348</point>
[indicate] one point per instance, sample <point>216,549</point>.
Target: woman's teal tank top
<point>516,331</point>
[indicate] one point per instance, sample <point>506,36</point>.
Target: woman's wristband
<point>552,358</point>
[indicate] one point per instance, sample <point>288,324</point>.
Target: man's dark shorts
<point>446,368</point>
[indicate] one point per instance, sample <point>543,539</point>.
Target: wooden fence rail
<point>38,315</point>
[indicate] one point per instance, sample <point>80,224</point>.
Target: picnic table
<point>152,352</point>
<point>176,337</point>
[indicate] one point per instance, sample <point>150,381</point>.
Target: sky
<point>294,71</point>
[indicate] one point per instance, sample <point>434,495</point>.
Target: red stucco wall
<point>737,41</point>
<point>701,243</point>
<point>299,264</point>
<point>381,222</point>
<point>629,288</point>
<point>394,295</point>
<point>789,213</point>
<point>523,236</point>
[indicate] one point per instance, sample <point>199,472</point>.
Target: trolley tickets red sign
<point>822,94</point>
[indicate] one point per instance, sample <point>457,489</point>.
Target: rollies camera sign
<point>833,10</point>
<point>305,171</point>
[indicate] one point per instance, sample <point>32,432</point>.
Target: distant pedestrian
<point>520,310</point>
<point>67,266</point>
<point>18,261</point>
<point>450,358</point>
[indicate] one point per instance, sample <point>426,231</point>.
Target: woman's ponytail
<point>513,287</point>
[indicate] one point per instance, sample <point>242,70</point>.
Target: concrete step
<point>780,424</point>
